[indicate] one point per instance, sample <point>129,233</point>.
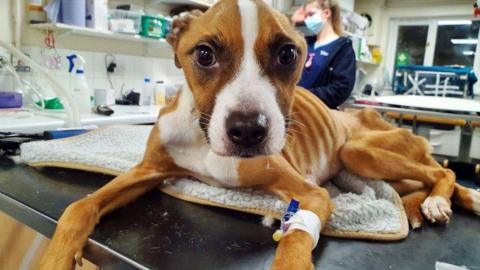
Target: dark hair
<point>336,14</point>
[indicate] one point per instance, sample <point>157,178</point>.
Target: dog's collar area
<point>307,221</point>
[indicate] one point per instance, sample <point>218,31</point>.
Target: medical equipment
<point>72,115</point>
<point>434,81</point>
<point>21,93</point>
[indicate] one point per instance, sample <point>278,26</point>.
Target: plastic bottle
<point>170,93</point>
<point>147,93</point>
<point>73,12</point>
<point>35,11</point>
<point>160,94</point>
<point>80,90</point>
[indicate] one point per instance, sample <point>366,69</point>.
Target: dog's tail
<point>467,198</point>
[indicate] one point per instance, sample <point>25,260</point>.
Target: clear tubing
<point>73,116</point>
<point>25,86</point>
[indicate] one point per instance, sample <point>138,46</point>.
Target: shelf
<point>64,29</point>
<point>195,3</point>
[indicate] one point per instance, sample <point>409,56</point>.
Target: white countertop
<point>453,105</point>
<point>27,122</point>
<point>433,103</point>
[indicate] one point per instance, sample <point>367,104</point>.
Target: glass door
<point>411,44</point>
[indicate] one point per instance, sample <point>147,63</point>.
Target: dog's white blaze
<point>180,133</point>
<point>248,90</point>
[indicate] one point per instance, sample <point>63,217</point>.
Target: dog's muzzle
<point>247,131</point>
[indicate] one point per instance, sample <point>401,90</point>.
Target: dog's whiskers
<point>294,121</point>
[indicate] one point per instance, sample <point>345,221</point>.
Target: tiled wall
<point>130,72</point>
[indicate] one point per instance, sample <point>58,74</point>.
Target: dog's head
<point>242,60</point>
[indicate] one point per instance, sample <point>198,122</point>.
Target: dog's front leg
<point>80,218</point>
<point>295,247</point>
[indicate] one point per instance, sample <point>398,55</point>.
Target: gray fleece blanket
<point>361,205</point>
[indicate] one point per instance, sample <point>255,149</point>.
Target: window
<point>433,42</point>
<point>411,44</point>
<point>456,43</point>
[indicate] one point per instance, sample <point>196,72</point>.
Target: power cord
<point>110,66</point>
<point>10,142</point>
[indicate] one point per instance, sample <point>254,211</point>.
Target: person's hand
<point>299,15</point>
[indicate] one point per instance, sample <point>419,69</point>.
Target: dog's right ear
<point>180,24</point>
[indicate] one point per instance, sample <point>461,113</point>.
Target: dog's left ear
<point>180,24</point>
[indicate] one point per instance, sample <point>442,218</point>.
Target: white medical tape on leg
<point>306,221</point>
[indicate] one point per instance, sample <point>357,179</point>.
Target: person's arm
<point>342,79</point>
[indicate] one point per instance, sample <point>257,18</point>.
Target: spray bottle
<point>81,92</point>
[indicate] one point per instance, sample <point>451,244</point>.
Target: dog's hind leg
<point>412,203</point>
<point>398,154</point>
<point>467,198</point>
<point>414,193</point>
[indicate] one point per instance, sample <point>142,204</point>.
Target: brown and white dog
<point>243,122</point>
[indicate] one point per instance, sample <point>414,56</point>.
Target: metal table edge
<point>99,254</point>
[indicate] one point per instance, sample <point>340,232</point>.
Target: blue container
<point>73,12</point>
<point>10,100</point>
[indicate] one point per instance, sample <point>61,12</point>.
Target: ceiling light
<point>455,22</point>
<point>468,53</point>
<point>464,41</point>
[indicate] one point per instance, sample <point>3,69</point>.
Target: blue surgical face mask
<point>315,23</point>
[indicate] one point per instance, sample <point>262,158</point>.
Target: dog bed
<point>364,209</point>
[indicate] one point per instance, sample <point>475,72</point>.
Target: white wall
<point>130,72</point>
<point>347,4</point>
<point>5,21</point>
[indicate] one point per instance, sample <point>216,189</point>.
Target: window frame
<point>432,23</point>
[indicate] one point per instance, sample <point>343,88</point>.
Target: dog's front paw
<point>66,246</point>
<point>437,209</point>
<point>61,256</point>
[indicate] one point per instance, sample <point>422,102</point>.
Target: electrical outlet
<point>19,64</point>
<point>22,68</point>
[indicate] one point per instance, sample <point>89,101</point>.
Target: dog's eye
<point>204,56</point>
<point>287,54</point>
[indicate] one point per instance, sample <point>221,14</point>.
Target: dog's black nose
<point>246,129</point>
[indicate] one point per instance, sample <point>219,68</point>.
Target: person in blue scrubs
<point>330,69</point>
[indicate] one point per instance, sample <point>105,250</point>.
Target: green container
<point>154,27</point>
<point>52,104</point>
